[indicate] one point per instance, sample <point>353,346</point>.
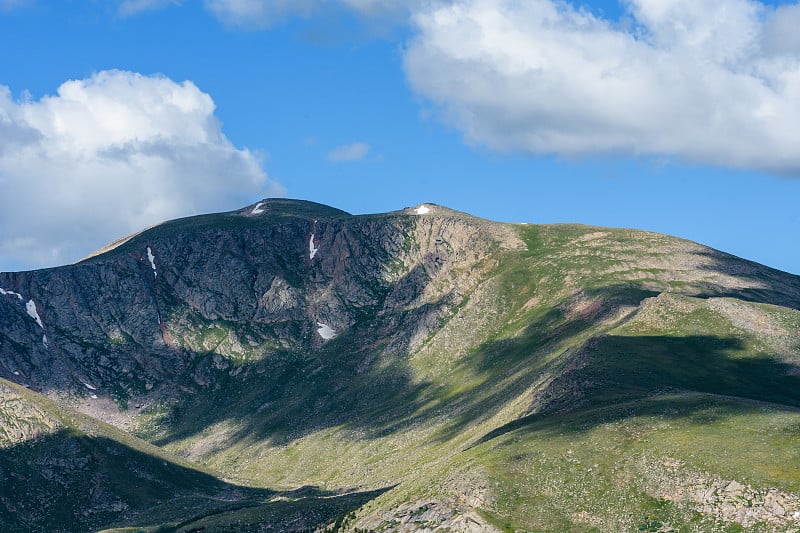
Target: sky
<point>675,116</point>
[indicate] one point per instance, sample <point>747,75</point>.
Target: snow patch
<point>422,210</point>
<point>16,372</point>
<point>257,210</point>
<point>325,331</point>
<point>93,396</point>
<point>152,259</point>
<point>312,250</point>
<point>10,293</point>
<point>88,386</point>
<point>44,342</point>
<point>30,307</point>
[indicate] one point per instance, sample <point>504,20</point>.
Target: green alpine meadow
<point>289,367</point>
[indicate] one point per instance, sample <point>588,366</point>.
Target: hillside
<point>301,368</point>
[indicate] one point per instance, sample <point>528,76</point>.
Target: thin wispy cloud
<point>350,152</point>
<point>260,14</point>
<point>264,14</point>
<point>8,5</point>
<point>134,7</point>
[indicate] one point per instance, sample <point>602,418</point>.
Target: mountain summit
<point>291,367</point>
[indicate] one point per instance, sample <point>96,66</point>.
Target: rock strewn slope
<point>429,369</point>
<point>240,285</point>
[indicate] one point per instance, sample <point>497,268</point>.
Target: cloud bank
<point>705,81</point>
<point>110,155</point>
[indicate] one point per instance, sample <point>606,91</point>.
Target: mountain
<point>291,367</point>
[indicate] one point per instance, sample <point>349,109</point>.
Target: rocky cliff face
<point>279,276</point>
<point>411,371</point>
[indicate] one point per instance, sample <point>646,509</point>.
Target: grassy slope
<point>564,386</point>
<point>73,473</point>
<point>579,294</point>
<point>614,468</point>
<point>667,396</point>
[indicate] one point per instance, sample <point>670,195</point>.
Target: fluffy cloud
<point>350,152</point>
<point>707,81</point>
<point>110,155</point>
<point>781,35</point>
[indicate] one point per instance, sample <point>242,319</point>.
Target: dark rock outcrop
<point>280,276</point>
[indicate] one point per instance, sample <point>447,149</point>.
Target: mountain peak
<point>287,207</point>
<point>548,377</point>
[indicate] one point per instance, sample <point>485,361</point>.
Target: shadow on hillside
<point>303,515</point>
<point>626,370</point>
<point>72,482</point>
<point>630,366</point>
<point>355,380</point>
<point>350,382</point>
<point>512,365</point>
<point>685,408</point>
<point>767,285</point>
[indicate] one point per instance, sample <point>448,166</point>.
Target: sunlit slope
<point>62,471</point>
<point>583,319</point>
<point>426,368</point>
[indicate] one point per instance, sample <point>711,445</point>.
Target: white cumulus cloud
<point>350,152</point>
<point>781,32</point>
<point>706,81</point>
<point>110,155</point>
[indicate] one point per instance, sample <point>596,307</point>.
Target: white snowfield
<point>312,250</point>
<point>88,386</point>
<point>44,342</point>
<point>152,259</point>
<point>257,209</point>
<point>30,307</point>
<point>422,210</point>
<point>10,293</point>
<point>325,331</point>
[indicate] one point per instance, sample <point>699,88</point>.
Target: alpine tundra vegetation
<point>290,367</point>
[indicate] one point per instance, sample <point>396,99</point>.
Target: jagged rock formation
<point>242,285</point>
<point>419,369</point>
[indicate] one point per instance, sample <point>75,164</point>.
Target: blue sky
<point>535,111</point>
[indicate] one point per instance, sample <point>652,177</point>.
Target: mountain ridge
<point>288,344</point>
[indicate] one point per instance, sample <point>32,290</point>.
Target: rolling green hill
<point>290,367</point>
